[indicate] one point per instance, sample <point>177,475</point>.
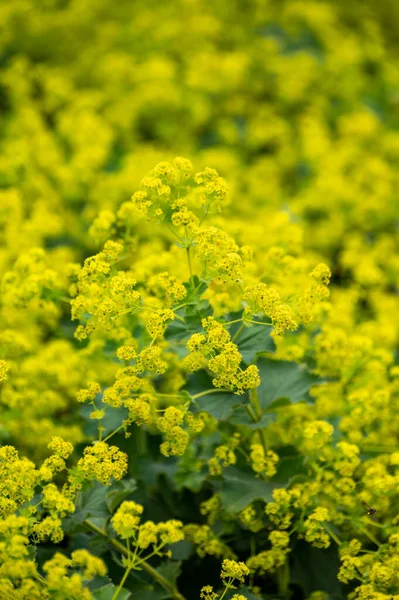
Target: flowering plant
<point>198,360</point>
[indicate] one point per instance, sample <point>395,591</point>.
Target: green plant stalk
<point>211,391</point>
<point>237,333</point>
<point>174,592</point>
<point>331,533</point>
<point>256,414</point>
<point>368,534</point>
<point>228,586</point>
<point>283,580</point>
<point>120,586</point>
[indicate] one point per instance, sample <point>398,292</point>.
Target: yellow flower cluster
<point>101,462</point>
<point>224,455</point>
<point>263,463</point>
<point>61,584</point>
<point>270,560</point>
<point>18,478</point>
<point>220,355</point>
<point>176,438</point>
<point>126,523</point>
<point>294,107</point>
<point>260,298</point>
<point>206,541</point>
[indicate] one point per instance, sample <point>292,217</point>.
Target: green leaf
<point>91,503</point>
<point>147,590</point>
<point>112,419</point>
<point>241,417</point>
<point>190,478</point>
<point>119,491</point>
<point>315,569</point>
<point>107,593</point>
<point>182,550</point>
<point>170,570</point>
<point>245,592</point>
<point>195,288</point>
<point>239,488</point>
<point>283,379</point>
<point>218,404</point>
<point>290,465</point>
<point>254,340</point>
<point>192,315</point>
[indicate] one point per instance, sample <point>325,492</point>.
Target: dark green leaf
<point>240,488</point>
<point>182,550</point>
<point>253,340</point>
<point>91,503</point>
<point>107,593</point>
<point>112,419</point>
<point>283,379</point>
<point>216,403</point>
<point>119,491</point>
<point>170,570</point>
<point>245,592</point>
<point>241,417</point>
<point>289,467</point>
<point>147,590</point>
<point>315,569</point>
<point>192,315</point>
<point>190,479</point>
<point>98,582</point>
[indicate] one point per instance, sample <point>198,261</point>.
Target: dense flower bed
<point>199,378</point>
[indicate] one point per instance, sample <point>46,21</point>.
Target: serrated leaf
<point>289,467</point>
<point>192,315</point>
<point>239,488</point>
<point>146,590</point>
<point>112,419</point>
<point>218,404</point>
<point>91,503</point>
<point>255,340</point>
<point>315,569</point>
<point>182,550</point>
<point>170,570</point>
<point>107,593</point>
<point>99,582</point>
<point>118,492</point>
<point>243,591</point>
<point>190,479</point>
<point>283,379</point>
<point>241,417</point>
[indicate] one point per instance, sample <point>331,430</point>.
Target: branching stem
<point>167,585</point>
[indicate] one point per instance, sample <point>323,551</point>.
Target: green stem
<point>190,266</point>
<point>283,579</point>
<point>40,578</point>
<point>224,323</point>
<point>228,585</point>
<point>368,534</point>
<point>120,586</point>
<point>179,318</point>
<point>237,333</point>
<point>167,585</point>
<point>211,391</point>
<point>174,233</point>
<point>141,438</point>
<point>257,415</point>
<point>379,449</point>
<point>113,432</point>
<point>331,533</point>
